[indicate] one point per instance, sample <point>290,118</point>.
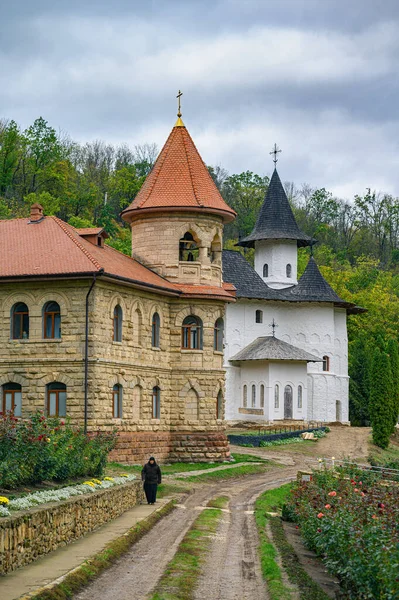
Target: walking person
<point>152,477</point>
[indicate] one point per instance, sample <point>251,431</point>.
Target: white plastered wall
<point>316,328</point>
<point>277,255</point>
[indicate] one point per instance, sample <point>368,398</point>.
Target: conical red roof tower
<point>179,180</point>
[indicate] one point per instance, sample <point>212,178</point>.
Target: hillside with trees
<point>358,239</point>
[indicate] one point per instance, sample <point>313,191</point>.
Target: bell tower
<point>178,215</point>
<point>276,237</point>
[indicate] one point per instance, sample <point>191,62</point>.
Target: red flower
<point>381,505</point>
<point>327,506</point>
<point>332,493</point>
<point>319,530</point>
<point>320,515</point>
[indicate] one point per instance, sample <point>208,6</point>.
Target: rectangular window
<point>253,396</point>
<point>262,396</point>
<point>52,404</point>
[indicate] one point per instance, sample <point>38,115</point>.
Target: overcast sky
<point>319,77</point>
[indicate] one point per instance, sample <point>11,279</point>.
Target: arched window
<point>299,396</point>
<point>117,393</point>
<point>253,396</point>
<point>262,395</point>
<point>276,396</point>
<point>51,321</point>
<point>219,405</point>
<point>188,248</point>
<point>288,270</point>
<point>192,333</point>
<point>218,333</point>
<point>56,399</point>
<point>265,270</point>
<point>245,396</point>
<point>259,316</point>
<point>216,250</point>
<point>117,322</point>
<point>20,321</point>
<point>155,330</point>
<point>12,399</point>
<point>326,363</point>
<point>156,403</point>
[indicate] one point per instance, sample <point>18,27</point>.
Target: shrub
<point>351,520</point>
<point>41,448</point>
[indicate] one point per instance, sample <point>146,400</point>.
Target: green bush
<point>43,448</point>
<point>350,519</point>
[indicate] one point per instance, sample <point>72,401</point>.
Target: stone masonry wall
<point>27,535</point>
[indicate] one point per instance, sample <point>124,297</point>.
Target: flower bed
<point>258,440</point>
<point>351,520</point>
<point>31,500</point>
<point>40,528</point>
<point>42,448</point>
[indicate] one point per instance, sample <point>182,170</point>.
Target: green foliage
<point>382,405</point>
<point>350,520</point>
<point>392,349</point>
<point>39,448</point>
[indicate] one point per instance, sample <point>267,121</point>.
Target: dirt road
<point>232,570</point>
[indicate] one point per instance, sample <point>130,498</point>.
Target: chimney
<point>36,213</point>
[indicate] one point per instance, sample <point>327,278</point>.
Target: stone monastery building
<point>110,340</point>
<point>137,343</point>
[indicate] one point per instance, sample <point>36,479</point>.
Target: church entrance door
<point>288,402</point>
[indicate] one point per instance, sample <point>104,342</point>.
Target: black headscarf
<point>152,458</point>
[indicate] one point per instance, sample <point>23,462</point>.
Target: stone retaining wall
<point>26,535</point>
<point>137,447</point>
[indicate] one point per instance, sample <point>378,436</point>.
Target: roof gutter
<point>86,357</point>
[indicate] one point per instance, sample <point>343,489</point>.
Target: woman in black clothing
<point>151,475</point>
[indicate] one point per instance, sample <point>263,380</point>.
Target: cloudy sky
<point>319,77</point>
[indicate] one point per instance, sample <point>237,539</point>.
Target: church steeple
<point>276,220</point>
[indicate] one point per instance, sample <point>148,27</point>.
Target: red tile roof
<point>179,179</point>
<point>52,248</point>
<point>208,291</point>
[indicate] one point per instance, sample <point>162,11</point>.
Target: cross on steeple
<point>275,151</point>
<point>273,325</point>
<point>179,95</point>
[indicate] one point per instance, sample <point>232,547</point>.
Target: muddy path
<point>235,572</point>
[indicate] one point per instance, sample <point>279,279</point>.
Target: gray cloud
<point>317,77</point>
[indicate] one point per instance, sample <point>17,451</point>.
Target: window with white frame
<point>277,396</point>
<point>245,396</point>
<point>253,396</point>
<point>299,396</point>
<point>262,395</point>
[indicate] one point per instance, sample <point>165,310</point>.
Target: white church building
<point>286,343</point>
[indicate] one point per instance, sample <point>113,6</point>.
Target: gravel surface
<point>237,574</point>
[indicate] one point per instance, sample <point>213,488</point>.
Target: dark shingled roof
<point>271,348</point>
<point>312,287</point>
<point>276,220</point>
<point>238,271</point>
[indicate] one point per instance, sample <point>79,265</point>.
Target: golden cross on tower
<point>275,151</point>
<point>179,95</point>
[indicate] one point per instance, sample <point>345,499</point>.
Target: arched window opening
<point>156,324</point>
<point>326,363</point>
<point>288,270</point>
<point>276,396</point>
<point>219,405</point>
<point>253,396</point>
<point>117,392</point>
<point>245,396</point>
<point>56,399</point>
<point>188,248</point>
<point>20,321</point>
<point>265,270</point>
<point>218,335</point>
<point>52,321</point>
<point>117,330</point>
<point>262,395</point>
<point>12,399</point>
<point>192,333</point>
<point>216,250</point>
<point>259,316</point>
<point>156,403</point>
<point>299,396</point>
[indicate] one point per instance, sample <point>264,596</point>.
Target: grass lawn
<point>233,473</point>
<point>378,456</point>
<point>183,571</point>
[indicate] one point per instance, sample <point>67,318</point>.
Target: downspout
<point>86,359</point>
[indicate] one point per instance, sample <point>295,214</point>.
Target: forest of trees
<point>358,239</point>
